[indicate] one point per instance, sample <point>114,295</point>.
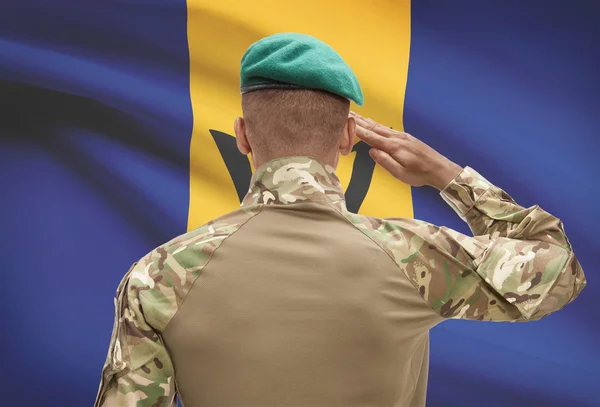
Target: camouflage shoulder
<point>165,275</point>
<point>404,240</point>
<point>436,260</point>
<point>404,235</point>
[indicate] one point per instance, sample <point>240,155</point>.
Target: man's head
<point>296,93</point>
<point>282,123</point>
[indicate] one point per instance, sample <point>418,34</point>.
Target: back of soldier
<point>294,301</point>
<point>299,307</point>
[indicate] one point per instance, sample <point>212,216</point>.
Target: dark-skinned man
<point>294,301</point>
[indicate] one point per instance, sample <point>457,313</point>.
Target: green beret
<point>297,61</point>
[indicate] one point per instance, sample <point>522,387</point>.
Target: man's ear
<point>348,136</point>
<point>239,126</point>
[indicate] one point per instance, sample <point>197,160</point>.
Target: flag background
<point>106,152</point>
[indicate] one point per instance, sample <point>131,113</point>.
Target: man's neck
<point>326,159</point>
<point>293,179</point>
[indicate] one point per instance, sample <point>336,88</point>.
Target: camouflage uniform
<point>269,323</point>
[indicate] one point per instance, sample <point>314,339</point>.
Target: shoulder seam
<point>260,208</point>
<point>393,260</point>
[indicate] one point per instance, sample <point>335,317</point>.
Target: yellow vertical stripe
<point>373,37</point>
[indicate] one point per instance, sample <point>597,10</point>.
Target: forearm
<point>529,259</point>
<point>489,210</point>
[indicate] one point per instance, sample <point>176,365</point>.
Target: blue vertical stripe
<point>511,88</point>
<point>95,127</point>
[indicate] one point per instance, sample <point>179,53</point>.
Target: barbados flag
<point>116,135</point>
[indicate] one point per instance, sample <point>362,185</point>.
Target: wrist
<point>445,174</point>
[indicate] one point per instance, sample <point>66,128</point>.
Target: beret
<point>297,61</point>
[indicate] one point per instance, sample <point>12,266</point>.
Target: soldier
<point>294,301</point>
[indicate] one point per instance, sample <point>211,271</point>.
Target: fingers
<point>387,162</point>
<point>375,140</point>
<point>361,121</point>
<point>356,115</point>
<point>370,125</point>
<point>378,128</point>
<point>366,123</point>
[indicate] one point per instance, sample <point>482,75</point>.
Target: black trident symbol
<point>240,171</point>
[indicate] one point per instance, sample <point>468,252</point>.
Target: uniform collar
<point>294,179</point>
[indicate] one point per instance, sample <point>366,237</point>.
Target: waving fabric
<point>116,135</point>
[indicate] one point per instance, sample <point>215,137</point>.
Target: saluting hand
<point>405,157</point>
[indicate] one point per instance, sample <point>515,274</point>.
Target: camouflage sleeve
<point>138,370</point>
<point>519,266</point>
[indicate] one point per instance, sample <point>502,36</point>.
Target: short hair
<point>282,122</point>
